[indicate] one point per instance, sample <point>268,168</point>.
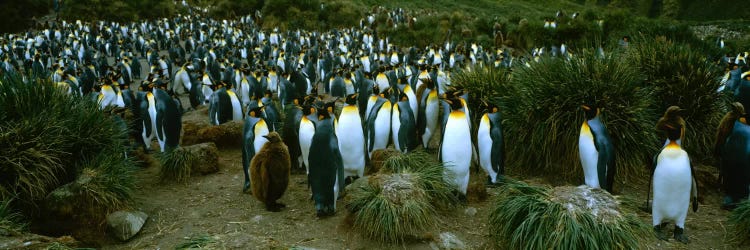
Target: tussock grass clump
<point>402,200</point>
<point>740,221</point>
<point>528,217</point>
<point>176,165</point>
<point>484,84</point>
<point>544,115</point>
<point>681,75</point>
<point>10,220</point>
<point>51,139</point>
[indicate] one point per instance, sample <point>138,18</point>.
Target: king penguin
<point>596,151</point>
<point>734,153</point>
<point>326,166</point>
<point>429,111</point>
<point>270,172</point>
<point>351,138</point>
<point>674,187</point>
<point>491,144</point>
<point>168,120</point>
<point>379,123</point>
<point>306,132</point>
<point>292,122</point>
<point>252,140</point>
<point>456,148</point>
<point>403,125</point>
<point>147,111</point>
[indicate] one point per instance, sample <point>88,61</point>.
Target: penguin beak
<point>266,136</point>
<point>585,107</point>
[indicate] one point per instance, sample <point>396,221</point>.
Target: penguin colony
<point>391,96</point>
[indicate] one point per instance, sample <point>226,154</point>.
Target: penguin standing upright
<point>147,111</point>
<point>733,149</point>
<point>379,124</point>
<point>252,140</point>
<point>292,122</point>
<point>403,125</point>
<point>491,144</point>
<point>168,120</point>
<point>269,171</point>
<point>596,151</point>
<point>456,148</point>
<point>351,138</point>
<point>306,132</point>
<point>429,111</point>
<point>674,187</point>
<point>326,166</point>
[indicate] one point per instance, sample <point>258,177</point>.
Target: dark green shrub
<point>176,165</point>
<point>740,222</point>
<point>682,76</point>
<point>544,120</point>
<point>10,220</point>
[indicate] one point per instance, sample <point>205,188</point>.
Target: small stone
<point>470,211</point>
<point>126,224</point>
<point>257,219</point>
<point>450,241</point>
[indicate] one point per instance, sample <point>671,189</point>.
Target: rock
<point>125,224</point>
<point>257,219</point>
<point>205,156</point>
<point>470,211</point>
<point>450,241</point>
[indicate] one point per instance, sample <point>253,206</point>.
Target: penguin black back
<point>326,165</point>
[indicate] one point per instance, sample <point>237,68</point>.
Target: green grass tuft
<point>10,220</point>
<point>528,217</point>
<point>402,200</point>
<point>740,222</point>
<point>176,165</point>
<point>544,116</point>
<point>198,242</point>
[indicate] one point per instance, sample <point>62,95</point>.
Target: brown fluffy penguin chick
<point>726,126</point>
<point>672,119</point>
<point>269,172</point>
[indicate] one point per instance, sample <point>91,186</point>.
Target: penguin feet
<point>274,206</point>
<point>461,197</point>
<point>325,212</point>
<point>659,230</point>
<point>246,187</point>
<point>679,235</point>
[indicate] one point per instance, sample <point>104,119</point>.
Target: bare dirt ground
<point>213,206</point>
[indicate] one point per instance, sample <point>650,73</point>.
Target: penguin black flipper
<point>605,165</point>
<point>338,161</point>
<point>371,123</point>
<point>407,134</point>
<point>694,188</point>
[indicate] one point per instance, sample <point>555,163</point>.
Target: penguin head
<point>308,109</point>
<point>273,137</point>
<point>402,97</point>
<point>673,112</point>
<point>490,107</point>
<point>323,114</point>
<point>454,102</point>
<point>590,110</point>
<point>255,112</point>
<point>351,99</point>
<point>375,89</point>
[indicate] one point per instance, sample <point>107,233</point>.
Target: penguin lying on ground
<point>674,187</point>
<point>269,171</point>
<point>596,151</point>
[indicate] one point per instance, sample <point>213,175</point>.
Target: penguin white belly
<point>672,186</point>
<point>432,111</point>
<point>306,132</point>
<point>273,83</point>
<point>245,93</point>
<point>370,103</point>
<point>152,115</point>
<point>456,151</point>
<point>484,144</point>
<point>236,107</point>
<point>382,82</point>
<point>382,127</point>
<point>351,142</point>
<point>184,79</point>
<point>260,130</point>
<point>119,102</point>
<point>207,92</point>
<point>395,127</point>
<point>589,157</point>
<point>412,101</point>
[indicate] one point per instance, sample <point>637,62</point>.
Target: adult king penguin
<point>734,151</point>
<point>306,132</point>
<point>596,151</point>
<point>326,166</point>
<point>168,119</point>
<point>491,144</point>
<point>674,187</point>
<point>455,147</point>
<point>252,140</point>
<point>379,123</point>
<point>269,171</point>
<point>403,125</point>
<point>351,138</point>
